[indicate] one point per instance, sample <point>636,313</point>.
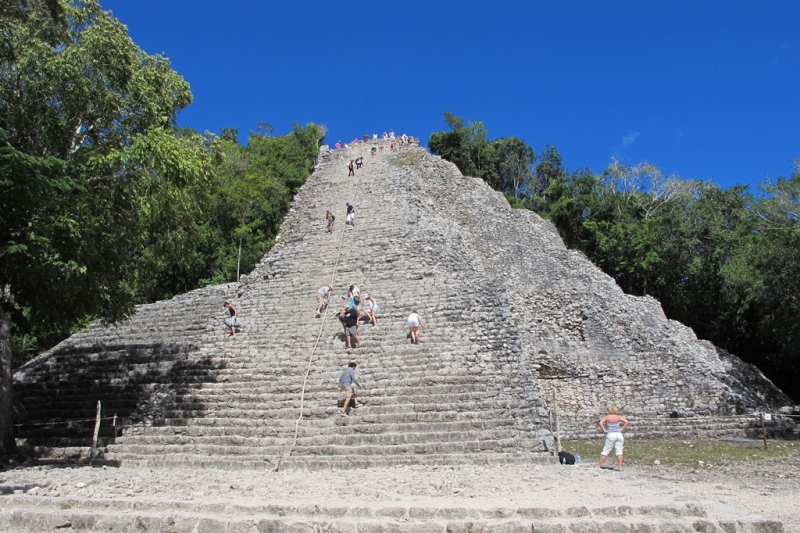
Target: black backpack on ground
<point>566,458</point>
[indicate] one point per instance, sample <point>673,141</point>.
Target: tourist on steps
<point>347,387</point>
<point>350,168</point>
<point>370,308</point>
<point>232,321</point>
<point>351,214</point>
<point>323,295</point>
<point>330,218</point>
<point>351,320</point>
<point>414,323</point>
<point>613,425</point>
<point>353,296</point>
<point>359,162</point>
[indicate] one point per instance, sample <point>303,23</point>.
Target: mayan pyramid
<point>513,317</point>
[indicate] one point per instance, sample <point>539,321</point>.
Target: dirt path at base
<point>768,490</point>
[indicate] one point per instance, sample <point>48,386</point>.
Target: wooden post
<point>96,431</point>
<point>763,429</point>
<point>555,415</point>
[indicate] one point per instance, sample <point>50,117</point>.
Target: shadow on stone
<point>139,384</point>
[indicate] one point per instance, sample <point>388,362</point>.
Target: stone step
<point>323,462</point>
<point>287,409</point>
<point>371,422</point>
<point>23,513</point>
<point>336,444</point>
<point>310,428</point>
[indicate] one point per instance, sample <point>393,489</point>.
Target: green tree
<point>513,160</point>
<point>94,183</point>
<point>762,318</point>
<point>252,187</point>
<point>466,146</point>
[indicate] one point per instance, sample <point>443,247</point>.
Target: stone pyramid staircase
<point>186,393</point>
<point>511,314</point>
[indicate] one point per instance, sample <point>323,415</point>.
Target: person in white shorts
<point>415,322</point>
<point>370,308</point>
<point>613,425</point>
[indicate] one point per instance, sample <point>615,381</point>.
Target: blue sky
<point>707,90</point>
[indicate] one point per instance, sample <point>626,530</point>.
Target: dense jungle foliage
<point>725,262</point>
<point>104,202</point>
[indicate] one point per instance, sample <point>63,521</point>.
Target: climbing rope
<point>313,352</point>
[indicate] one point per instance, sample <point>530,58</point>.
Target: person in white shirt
<point>414,323</point>
<point>323,294</point>
<point>354,295</point>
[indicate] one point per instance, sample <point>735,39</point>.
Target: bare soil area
<point>747,484</point>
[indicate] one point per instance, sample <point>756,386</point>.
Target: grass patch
<point>687,452</point>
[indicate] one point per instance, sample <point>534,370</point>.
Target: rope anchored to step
<point>311,358</point>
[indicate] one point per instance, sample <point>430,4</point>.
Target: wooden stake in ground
<point>96,431</point>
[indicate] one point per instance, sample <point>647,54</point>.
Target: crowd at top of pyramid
<point>386,137</point>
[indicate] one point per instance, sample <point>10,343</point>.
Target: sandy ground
<point>766,489</point>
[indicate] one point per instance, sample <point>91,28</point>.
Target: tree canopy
<point>104,203</point>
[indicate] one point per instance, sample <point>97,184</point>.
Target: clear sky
<point>703,89</point>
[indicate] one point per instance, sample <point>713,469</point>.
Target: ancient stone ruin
<point>515,322</point>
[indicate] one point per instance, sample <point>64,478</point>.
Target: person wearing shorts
<point>613,425</point>
<point>371,307</point>
<point>347,387</point>
<point>415,322</point>
<point>233,320</point>
<point>351,319</point>
<point>330,218</point>
<point>323,294</point>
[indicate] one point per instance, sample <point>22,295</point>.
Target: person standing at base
<point>347,387</point>
<point>415,322</point>
<point>613,425</point>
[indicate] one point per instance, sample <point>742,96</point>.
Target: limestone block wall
<point>576,329</point>
<point>512,314</point>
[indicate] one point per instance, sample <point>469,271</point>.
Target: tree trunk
<point>7,444</point>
